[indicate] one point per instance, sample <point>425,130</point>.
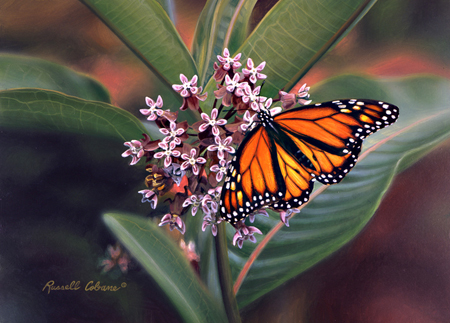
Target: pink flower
<point>188,88</point>
<point>210,203</point>
<point>252,216</point>
<point>286,215</point>
<point>226,63</point>
<point>116,256</point>
<point>267,105</point>
<point>190,92</point>
<point>222,146</point>
<point>174,222</point>
<point>154,110</point>
<point>232,84</point>
<point>189,251</point>
<point>167,153</point>
<point>123,262</point>
<point>215,193</point>
<point>253,73</point>
<point>173,134</point>
<point>220,169</point>
<point>195,201</point>
<point>243,233</point>
<point>137,148</point>
<point>226,92</point>
<point>249,119</point>
<point>249,97</point>
<point>303,95</point>
<point>287,99</point>
<point>192,161</point>
<point>212,122</point>
<point>136,151</point>
<point>149,196</point>
<point>211,220</point>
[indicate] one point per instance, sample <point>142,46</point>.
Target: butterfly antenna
<point>262,86</point>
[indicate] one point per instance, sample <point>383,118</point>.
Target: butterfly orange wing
<point>277,162</point>
<point>330,134</point>
<point>263,174</point>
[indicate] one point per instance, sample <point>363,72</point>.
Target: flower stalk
<point>225,279</point>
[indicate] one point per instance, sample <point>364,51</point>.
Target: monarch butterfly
<point>278,161</point>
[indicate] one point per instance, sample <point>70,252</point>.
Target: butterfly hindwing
<point>252,179</point>
<point>263,174</point>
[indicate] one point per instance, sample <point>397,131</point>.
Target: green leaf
<point>35,109</point>
<point>21,71</point>
<point>165,262</point>
<point>147,30</point>
<point>168,7</point>
<point>293,36</point>
<point>222,24</point>
<point>335,216</point>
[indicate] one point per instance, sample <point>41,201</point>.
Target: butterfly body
<point>278,161</point>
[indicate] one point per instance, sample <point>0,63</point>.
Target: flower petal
<point>214,230</point>
<point>127,153</point>
<point>177,87</point>
<point>194,80</point>
<point>215,131</point>
<point>159,102</point>
<point>212,147</point>
<point>249,63</point>
<point>201,160</point>
<point>185,165</point>
<point>167,161</point>
<point>183,78</point>
<point>261,66</point>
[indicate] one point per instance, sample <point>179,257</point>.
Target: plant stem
<point>225,279</point>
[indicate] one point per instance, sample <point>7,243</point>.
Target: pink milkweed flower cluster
<point>116,257</point>
<point>191,161</point>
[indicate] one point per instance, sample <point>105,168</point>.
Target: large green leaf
<point>222,23</point>
<point>168,7</point>
<point>146,29</point>
<point>335,216</point>
<point>21,71</point>
<point>294,35</point>
<point>165,262</point>
<point>36,109</point>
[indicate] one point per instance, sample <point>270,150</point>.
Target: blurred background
<point>396,270</point>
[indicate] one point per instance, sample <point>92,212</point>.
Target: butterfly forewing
<point>330,134</point>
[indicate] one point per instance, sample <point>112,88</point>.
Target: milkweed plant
<point>198,155</point>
